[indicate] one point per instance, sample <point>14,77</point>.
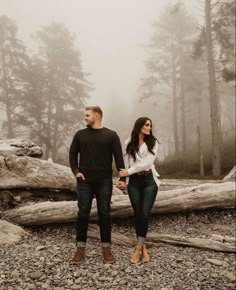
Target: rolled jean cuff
<point>105,245</point>
<point>141,240</point>
<point>80,244</point>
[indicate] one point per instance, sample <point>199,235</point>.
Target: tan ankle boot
<point>136,255</point>
<point>107,255</point>
<point>79,256</point>
<point>145,256</point>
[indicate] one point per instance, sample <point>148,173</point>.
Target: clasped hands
<point>121,184</point>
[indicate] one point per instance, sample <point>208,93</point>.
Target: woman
<point>141,151</point>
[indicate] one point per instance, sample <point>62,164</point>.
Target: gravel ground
<point>43,261</point>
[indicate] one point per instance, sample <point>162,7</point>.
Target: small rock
<point>56,281</point>
<point>201,278</point>
<point>15,274</point>
<point>77,281</point>
<point>128,270</point>
<point>45,286</point>
<point>107,265</point>
<point>31,286</point>
<point>83,272</point>
<point>35,275</point>
<point>216,262</point>
<point>39,248</point>
<point>95,276</point>
<point>230,276</point>
<point>179,259</point>
<point>77,274</point>
<point>69,282</point>
<point>75,287</point>
<point>17,198</point>
<point>114,273</point>
<point>26,246</point>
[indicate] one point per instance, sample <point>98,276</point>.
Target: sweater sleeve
<point>144,163</point>
<point>73,154</point>
<point>118,155</point>
<point>126,156</point>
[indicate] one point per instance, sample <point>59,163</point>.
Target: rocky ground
<point>43,261</point>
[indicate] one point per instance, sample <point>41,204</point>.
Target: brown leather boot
<point>79,255</point>
<point>107,255</point>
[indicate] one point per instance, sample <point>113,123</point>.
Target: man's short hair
<point>95,109</point>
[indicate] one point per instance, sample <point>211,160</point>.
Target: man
<point>96,146</point>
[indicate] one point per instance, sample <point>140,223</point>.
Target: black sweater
<point>95,148</point>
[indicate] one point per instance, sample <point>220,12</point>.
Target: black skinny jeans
<point>142,191</point>
<point>102,190</point>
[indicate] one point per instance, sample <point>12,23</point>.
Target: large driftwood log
<point>45,177</point>
<point>27,172</point>
<point>220,195</point>
<point>10,233</point>
<point>20,148</point>
<point>231,176</point>
<point>222,244</point>
<point>215,242</point>
<point>117,238</point>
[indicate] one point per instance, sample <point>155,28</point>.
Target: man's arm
<point>118,155</point>
<point>73,154</point>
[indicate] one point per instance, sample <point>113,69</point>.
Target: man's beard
<point>89,125</point>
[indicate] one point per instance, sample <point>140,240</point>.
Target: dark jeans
<point>102,190</point>
<point>142,191</point>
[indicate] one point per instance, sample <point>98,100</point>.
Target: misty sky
<point>110,35</point>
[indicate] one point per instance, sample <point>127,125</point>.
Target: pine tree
<point>66,87</point>
<point>13,62</point>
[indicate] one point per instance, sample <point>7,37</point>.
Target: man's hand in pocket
<point>80,175</point>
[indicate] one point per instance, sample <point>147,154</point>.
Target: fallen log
<point>215,242</point>
<point>220,195</point>
<point>231,176</point>
<point>44,178</point>
<point>10,233</point>
<point>225,244</point>
<point>20,148</point>
<point>27,172</point>
<point>117,238</point>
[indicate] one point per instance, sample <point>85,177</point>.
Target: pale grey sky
<point>110,35</point>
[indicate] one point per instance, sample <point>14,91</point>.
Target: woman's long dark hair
<point>133,145</point>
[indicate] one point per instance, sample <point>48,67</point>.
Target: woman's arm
<point>144,163</point>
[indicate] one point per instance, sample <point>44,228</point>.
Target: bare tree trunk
<point>59,113</point>
<point>183,119</point>
<point>10,132</point>
<point>54,142</point>
<point>175,116</point>
<point>200,154</point>
<point>216,161</point>
<point>48,135</point>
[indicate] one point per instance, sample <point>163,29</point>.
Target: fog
<point>113,39</point>
<point>109,34</point>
